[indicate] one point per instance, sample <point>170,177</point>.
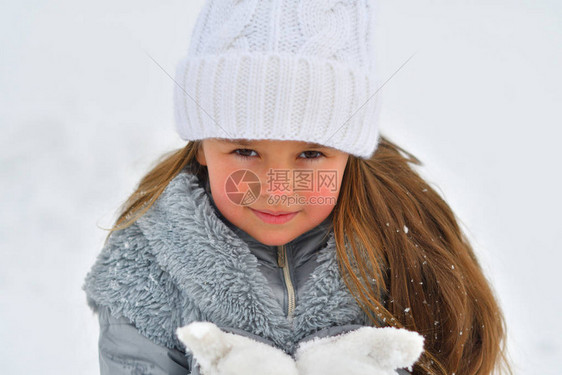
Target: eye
<point>242,153</point>
<point>318,154</point>
<point>244,150</point>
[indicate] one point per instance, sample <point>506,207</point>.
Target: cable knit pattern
<point>181,263</point>
<point>284,69</point>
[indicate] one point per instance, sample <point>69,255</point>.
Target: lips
<point>277,217</point>
<point>277,213</point>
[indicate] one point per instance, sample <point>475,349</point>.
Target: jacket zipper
<point>282,262</point>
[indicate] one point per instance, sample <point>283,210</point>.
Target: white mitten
<point>222,353</point>
<point>365,351</point>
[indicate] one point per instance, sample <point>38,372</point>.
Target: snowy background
<point>84,111</point>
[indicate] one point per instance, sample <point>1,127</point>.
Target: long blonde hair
<point>401,235</point>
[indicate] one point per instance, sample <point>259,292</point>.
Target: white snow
<point>84,112</point>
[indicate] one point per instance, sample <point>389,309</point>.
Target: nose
<point>277,181</point>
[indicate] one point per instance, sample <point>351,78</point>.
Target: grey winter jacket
<point>183,261</point>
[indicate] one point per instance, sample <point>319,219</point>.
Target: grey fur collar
<point>180,263</point>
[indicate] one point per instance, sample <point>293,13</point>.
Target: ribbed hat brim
<point>273,96</point>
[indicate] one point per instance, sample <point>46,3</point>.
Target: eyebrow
<point>245,142</point>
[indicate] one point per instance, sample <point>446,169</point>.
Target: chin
<point>273,240</point>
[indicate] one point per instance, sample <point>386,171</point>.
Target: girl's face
<point>296,177</point>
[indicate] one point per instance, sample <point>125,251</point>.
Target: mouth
<point>277,213</point>
<point>275,217</point>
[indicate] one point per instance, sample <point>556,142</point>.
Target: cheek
<point>220,168</point>
<point>218,180</point>
<point>323,197</point>
<point>328,183</point>
<point>319,201</point>
<point>226,206</point>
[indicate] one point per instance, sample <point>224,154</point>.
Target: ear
<point>201,155</point>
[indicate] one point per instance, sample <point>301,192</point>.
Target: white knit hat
<point>282,69</point>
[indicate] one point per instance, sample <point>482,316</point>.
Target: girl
<point>287,217</point>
